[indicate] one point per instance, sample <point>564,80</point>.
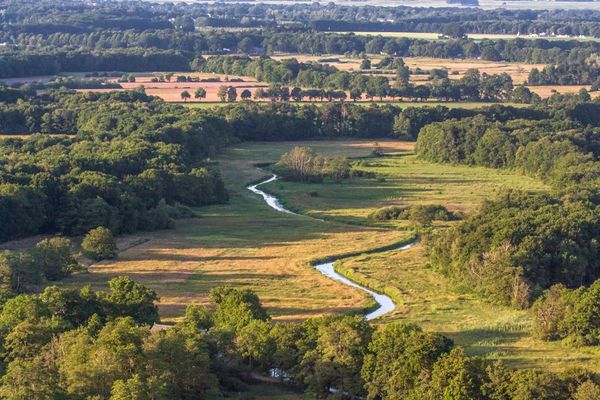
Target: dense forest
<point>116,162</point>
<point>26,55</point>
<point>74,344</point>
<point>77,17</point>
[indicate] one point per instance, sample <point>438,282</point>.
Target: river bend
<point>385,302</point>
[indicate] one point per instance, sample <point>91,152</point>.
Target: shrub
<point>99,244</point>
<point>421,214</point>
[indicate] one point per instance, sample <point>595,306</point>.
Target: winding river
<point>386,304</point>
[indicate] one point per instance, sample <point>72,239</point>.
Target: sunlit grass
<point>401,179</point>
<point>427,299</point>
<point>248,245</point>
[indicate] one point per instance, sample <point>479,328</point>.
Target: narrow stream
<point>386,304</point>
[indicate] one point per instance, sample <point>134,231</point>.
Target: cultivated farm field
<point>171,91</point>
<point>456,67</point>
<point>474,36</point>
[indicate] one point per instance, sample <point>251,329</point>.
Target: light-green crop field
<point>474,36</point>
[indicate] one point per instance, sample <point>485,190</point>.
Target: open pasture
<point>248,245</point>
<point>400,180</point>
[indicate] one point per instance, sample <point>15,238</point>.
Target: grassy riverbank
<point>403,180</point>
<point>248,245</point>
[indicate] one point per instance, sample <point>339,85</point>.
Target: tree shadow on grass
<point>485,341</point>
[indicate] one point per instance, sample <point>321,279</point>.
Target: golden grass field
<point>171,91</point>
<point>248,245</point>
<point>518,71</point>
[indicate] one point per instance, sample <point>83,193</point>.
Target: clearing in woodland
<point>246,244</point>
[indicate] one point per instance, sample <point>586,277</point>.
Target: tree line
<point>73,344</point>
<point>473,86</point>
<point>135,51</point>
<point>521,244</point>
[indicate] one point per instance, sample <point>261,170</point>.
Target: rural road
<point>386,304</point>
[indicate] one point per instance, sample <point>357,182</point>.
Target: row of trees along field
<point>49,17</point>
<point>521,244</point>
<point>473,86</point>
<point>75,344</point>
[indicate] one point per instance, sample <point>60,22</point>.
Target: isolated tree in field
<point>222,93</point>
<point>402,73</point>
<point>296,93</point>
<point>338,168</point>
<point>355,94</point>
<point>365,64</point>
<point>300,162</point>
<point>284,93</point>
<point>99,244</point>
<point>54,258</point>
<point>185,95</point>
<point>231,94</point>
<point>200,93</point>
<point>261,93</point>
<point>246,94</point>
